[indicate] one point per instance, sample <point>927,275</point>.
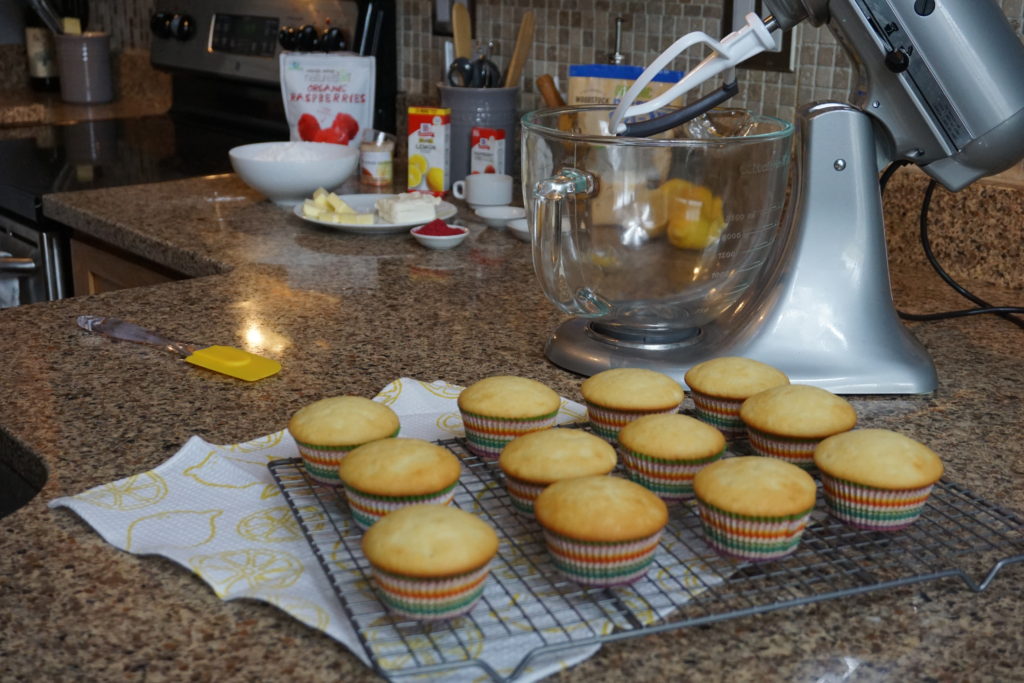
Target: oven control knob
<point>183,26</point>
<point>160,24</point>
<point>308,38</point>
<point>332,40</point>
<point>288,37</point>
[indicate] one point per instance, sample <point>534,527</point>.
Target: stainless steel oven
<point>32,264</point>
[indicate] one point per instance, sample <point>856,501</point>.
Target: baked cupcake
<point>497,409</point>
<point>720,386</point>
<point>387,474</point>
<point>325,431</point>
<point>534,461</point>
<point>787,422</point>
<point>754,508</point>
<point>875,478</point>
<point>601,530</point>
<point>618,396</point>
<point>430,561</point>
<point>664,452</point>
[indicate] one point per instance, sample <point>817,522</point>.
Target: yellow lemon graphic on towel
<point>247,569</point>
<point>435,179</point>
<point>275,525</point>
<point>135,492</point>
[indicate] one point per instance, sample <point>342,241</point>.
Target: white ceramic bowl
<point>499,216</point>
<point>520,228</point>
<point>441,241</point>
<point>288,172</point>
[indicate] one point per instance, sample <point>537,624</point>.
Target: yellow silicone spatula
<point>223,359</point>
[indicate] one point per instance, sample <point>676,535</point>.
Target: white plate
<point>365,203</point>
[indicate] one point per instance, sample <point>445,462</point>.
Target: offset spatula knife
<point>224,359</point>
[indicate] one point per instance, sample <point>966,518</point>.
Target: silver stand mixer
<point>939,87</point>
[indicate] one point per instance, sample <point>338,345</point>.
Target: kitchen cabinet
<point>99,268</point>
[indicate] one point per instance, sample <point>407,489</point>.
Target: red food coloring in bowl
<point>438,228</point>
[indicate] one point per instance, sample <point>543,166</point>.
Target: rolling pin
<point>548,91</point>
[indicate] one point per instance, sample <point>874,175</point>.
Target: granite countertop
<point>347,314</point>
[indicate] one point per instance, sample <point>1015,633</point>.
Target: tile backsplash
<point>570,32</point>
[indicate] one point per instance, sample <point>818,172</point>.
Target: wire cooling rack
<point>540,617</point>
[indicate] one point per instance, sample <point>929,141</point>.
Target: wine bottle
<point>41,54</point>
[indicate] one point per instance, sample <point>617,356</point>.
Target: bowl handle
<point>552,270</point>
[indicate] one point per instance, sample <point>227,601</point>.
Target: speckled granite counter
<point>349,313</point>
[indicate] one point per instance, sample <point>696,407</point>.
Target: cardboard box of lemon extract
<point>429,149</point>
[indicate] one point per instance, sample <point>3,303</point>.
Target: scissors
<point>477,73</point>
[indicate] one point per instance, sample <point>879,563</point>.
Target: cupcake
<point>535,460</point>
<point>384,475</point>
<point>325,431</point>
<point>618,396</point>
<point>787,422</point>
<point>720,385</point>
<point>664,452</point>
<point>430,561</point>
<point>498,409</point>
<point>601,530</point>
<point>876,479</point>
<point>754,508</point>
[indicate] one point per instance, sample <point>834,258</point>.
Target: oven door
<point>32,264</point>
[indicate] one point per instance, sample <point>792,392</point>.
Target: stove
<point>222,56</point>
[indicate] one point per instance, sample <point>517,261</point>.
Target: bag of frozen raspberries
<point>328,97</point>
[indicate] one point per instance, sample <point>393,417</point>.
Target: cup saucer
<point>475,206</point>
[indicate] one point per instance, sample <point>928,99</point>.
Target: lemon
<point>435,179</point>
<point>695,217</point>
<point>419,161</point>
<point>415,177</point>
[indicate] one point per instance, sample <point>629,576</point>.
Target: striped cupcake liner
<point>865,507</point>
<point>799,452</point>
<point>321,462</point>
<point>607,423</point>
<point>367,508</point>
<point>721,413</point>
<point>487,436</point>
<point>751,538</point>
<point>523,493</point>
<point>430,599</point>
<point>670,480</point>
<point>593,563</point>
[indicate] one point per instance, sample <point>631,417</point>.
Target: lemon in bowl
<point>288,172</point>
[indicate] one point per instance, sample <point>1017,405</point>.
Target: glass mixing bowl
<point>652,238</point>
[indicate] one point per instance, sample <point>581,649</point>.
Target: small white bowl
<point>288,172</point>
<point>499,216</point>
<point>441,241</point>
<point>520,227</point>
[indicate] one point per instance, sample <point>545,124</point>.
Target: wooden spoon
<point>524,42</point>
<point>462,31</point>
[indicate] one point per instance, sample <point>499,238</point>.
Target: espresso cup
<point>484,189</point>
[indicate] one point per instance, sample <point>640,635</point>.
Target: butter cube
<point>338,204</point>
<point>310,209</point>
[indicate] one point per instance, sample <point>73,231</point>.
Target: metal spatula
<point>224,359</point>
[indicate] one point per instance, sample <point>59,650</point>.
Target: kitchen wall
<point>569,32</point>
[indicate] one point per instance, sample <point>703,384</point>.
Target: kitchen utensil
<point>287,172</point>
<point>494,109</point>
<point>669,241</point>
<point>226,360</point>
<point>480,72</point>
<point>462,31</point>
<point>48,14</point>
<point>548,92</point>
<point>440,242</point>
<point>524,42</point>
<point>484,189</point>
<point>499,216</point>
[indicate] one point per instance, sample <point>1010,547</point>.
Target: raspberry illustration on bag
<point>327,97</point>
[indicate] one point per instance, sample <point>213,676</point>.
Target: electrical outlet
<point>783,59</point>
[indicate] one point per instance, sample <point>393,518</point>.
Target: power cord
<point>1006,312</point>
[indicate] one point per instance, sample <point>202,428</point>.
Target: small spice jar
<point>376,158</point>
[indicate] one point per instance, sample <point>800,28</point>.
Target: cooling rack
<point>531,610</point>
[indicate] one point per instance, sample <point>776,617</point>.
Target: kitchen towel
<point>216,510</point>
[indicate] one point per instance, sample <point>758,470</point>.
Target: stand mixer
<point>664,276</point>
